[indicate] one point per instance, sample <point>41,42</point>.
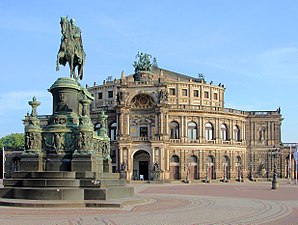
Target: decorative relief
<point>59,142</point>
<point>84,141</point>
<point>57,121</point>
<point>32,141</point>
<point>142,101</point>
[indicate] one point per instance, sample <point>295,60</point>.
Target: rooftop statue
<point>71,48</point>
<point>143,63</point>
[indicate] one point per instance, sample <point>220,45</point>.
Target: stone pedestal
<point>65,159</point>
<point>87,162</point>
<point>58,163</point>
<point>32,162</point>
<point>156,175</point>
<point>123,175</point>
<point>275,184</point>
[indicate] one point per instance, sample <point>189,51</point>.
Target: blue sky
<point>250,46</point>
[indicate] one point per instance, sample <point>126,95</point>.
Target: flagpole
<point>3,163</point>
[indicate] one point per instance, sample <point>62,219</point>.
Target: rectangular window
<point>110,94</point>
<point>206,94</point>
<point>143,131</point>
<point>172,91</point>
<point>215,96</point>
<point>184,92</point>
<point>196,93</point>
<point>99,95</point>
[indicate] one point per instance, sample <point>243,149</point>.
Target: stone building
<point>165,126</point>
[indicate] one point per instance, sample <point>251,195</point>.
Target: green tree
<point>13,141</point>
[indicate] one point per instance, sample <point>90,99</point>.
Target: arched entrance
<point>174,165</point>
<point>141,161</point>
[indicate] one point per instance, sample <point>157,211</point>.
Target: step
<point>42,193</point>
<point>45,174</point>
<point>72,203</point>
<point>108,193</point>
<point>41,183</point>
<point>14,182</point>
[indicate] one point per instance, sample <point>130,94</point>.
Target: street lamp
<point>188,171</point>
<point>274,153</point>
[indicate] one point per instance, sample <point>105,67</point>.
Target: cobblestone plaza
<point>216,203</point>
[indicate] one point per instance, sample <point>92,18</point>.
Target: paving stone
<point>229,203</point>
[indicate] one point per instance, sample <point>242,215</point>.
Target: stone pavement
<point>215,203</point>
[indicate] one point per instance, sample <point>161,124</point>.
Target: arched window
<point>223,132</point>
<point>209,131</point>
<point>193,159</point>
<point>113,131</point>
<point>236,133</point>
<point>192,131</point>
<point>175,159</point>
<point>174,128</point>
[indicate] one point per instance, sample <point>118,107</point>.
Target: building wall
<point>180,123</point>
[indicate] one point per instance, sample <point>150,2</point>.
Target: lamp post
<point>274,153</point>
<point>188,172</point>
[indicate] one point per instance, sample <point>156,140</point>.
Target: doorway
<point>143,169</point>
<point>141,160</point>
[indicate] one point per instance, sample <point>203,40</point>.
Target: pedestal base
<point>58,163</point>
<point>32,163</point>
<point>123,175</point>
<point>275,185</point>
<point>155,175</point>
<point>84,163</point>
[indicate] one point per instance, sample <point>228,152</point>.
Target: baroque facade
<point>165,126</point>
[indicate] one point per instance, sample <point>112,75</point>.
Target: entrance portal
<point>141,161</point>
<point>143,168</point>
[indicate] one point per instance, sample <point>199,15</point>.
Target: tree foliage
<point>13,141</point>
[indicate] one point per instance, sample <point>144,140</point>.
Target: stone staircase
<point>63,186</point>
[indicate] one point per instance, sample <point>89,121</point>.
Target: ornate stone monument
<point>64,153</point>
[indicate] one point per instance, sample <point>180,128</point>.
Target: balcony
<point>142,139</point>
<point>205,108</point>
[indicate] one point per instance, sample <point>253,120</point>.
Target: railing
<point>140,138</point>
<point>264,113</point>
<point>207,108</point>
<point>175,141</point>
<point>147,82</point>
<point>187,141</point>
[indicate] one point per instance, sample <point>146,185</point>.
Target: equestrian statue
<point>71,48</point>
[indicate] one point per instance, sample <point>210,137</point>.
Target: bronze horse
<point>71,48</point>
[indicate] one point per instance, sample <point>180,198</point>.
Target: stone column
<point>162,125</point>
